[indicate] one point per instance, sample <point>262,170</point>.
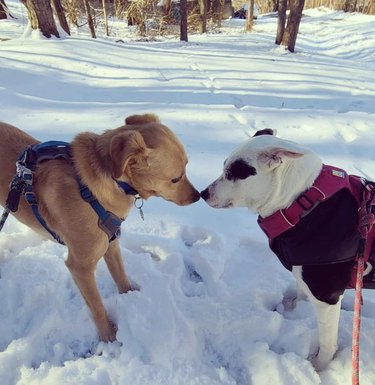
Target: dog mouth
<point>226,205</point>
<point>212,200</point>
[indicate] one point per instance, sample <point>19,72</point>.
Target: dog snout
<point>196,196</point>
<point>205,194</point>
<point>187,196</point>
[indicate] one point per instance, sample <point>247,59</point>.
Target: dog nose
<point>205,194</point>
<point>196,196</point>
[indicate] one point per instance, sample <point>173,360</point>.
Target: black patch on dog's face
<point>239,169</point>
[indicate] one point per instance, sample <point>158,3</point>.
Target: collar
<point>129,190</point>
<point>329,181</point>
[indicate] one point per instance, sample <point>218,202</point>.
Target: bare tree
<point>250,15</point>
<point>183,20</point>
<point>41,17</point>
<point>90,20</point>
<point>105,16</point>
<point>294,20</point>
<point>60,13</point>
<point>203,10</point>
<point>4,13</point>
<point>288,35</point>
<point>281,19</point>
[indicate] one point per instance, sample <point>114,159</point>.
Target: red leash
<point>357,322</point>
<point>366,221</point>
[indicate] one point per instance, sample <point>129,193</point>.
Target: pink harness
<point>330,181</point>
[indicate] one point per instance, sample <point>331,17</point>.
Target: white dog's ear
<point>265,131</point>
<point>273,157</point>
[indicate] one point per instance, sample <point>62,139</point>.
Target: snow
<point>209,285</point>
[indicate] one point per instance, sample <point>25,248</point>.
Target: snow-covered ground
<point>209,286</point>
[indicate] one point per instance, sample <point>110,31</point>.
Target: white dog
<point>309,211</point>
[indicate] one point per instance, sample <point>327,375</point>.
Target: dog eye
<point>176,180</point>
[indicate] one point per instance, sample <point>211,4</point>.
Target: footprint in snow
<point>195,236</point>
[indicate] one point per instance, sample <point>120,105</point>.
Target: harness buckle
<point>302,200</point>
<point>111,225</point>
<point>31,198</point>
<point>24,173</point>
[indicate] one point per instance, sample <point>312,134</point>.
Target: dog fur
<point>144,153</point>
<point>267,174</point>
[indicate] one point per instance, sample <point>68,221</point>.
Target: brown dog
<point>144,153</point>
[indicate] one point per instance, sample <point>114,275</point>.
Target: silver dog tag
<point>138,203</point>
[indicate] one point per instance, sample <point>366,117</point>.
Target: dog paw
<point>134,286</point>
<point>320,361</point>
<point>107,331</point>
<point>110,349</point>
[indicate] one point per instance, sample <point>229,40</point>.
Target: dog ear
<point>273,157</point>
<point>142,119</point>
<point>265,131</point>
<point>126,148</point>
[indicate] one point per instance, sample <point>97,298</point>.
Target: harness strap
<point>32,201</point>
<point>108,222</point>
<point>330,180</point>
<point>28,162</point>
<point>23,183</point>
<point>37,153</point>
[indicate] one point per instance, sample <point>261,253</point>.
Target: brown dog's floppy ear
<point>142,119</point>
<point>265,131</point>
<point>125,147</point>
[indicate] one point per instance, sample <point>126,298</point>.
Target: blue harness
<point>23,183</point>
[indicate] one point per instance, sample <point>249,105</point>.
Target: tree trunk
<point>281,19</point>
<point>60,13</point>
<point>3,10</point>
<point>183,21</point>
<point>89,18</point>
<point>295,15</point>
<point>105,15</point>
<point>41,17</point>
<point>203,16</point>
<point>250,15</point>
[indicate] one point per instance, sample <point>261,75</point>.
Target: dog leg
<point>84,277</point>
<point>328,324</point>
<point>115,265</point>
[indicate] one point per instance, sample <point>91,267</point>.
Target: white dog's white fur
<point>282,171</point>
<point>275,160</point>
